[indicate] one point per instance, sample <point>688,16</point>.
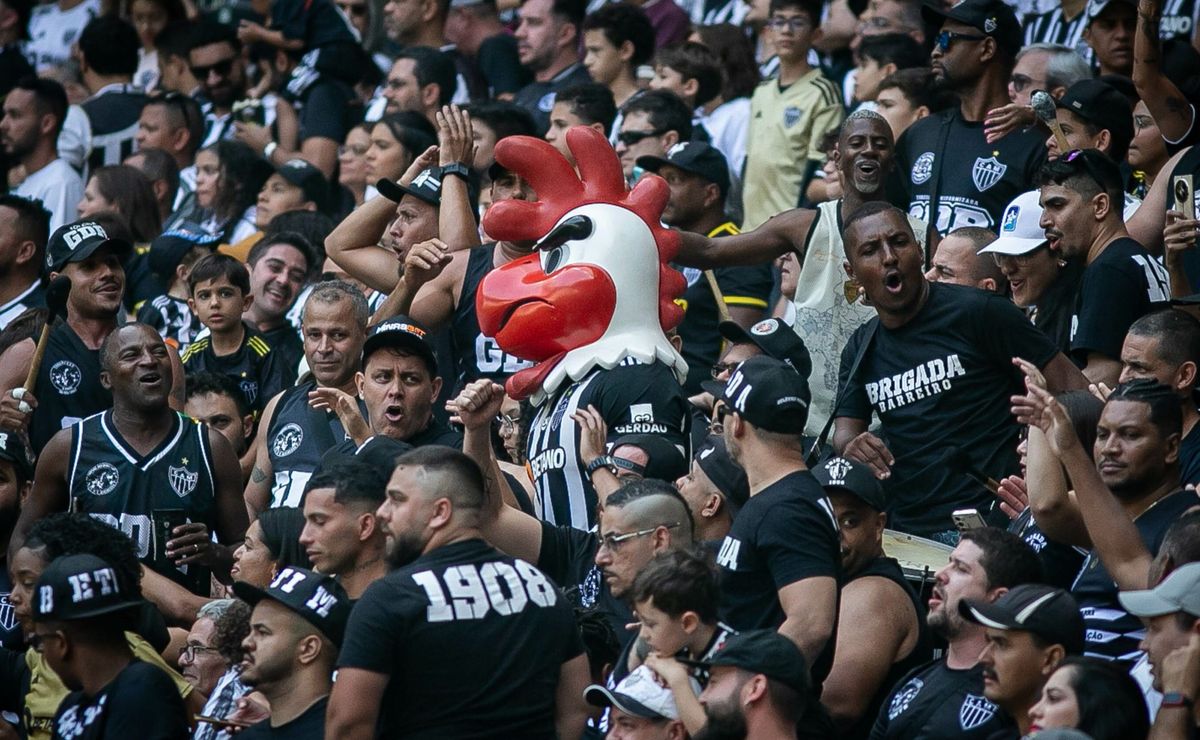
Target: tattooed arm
<point>1171,110</point>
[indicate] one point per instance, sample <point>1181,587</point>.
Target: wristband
<point>603,461</point>
<point>457,169</point>
<point>269,149</point>
<point>1175,700</point>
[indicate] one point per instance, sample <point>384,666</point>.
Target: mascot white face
<point>598,288</point>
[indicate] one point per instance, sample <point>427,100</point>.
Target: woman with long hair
<point>126,191</point>
<point>396,140</point>
<point>1097,697</point>
<point>229,176</point>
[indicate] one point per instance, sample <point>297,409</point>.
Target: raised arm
<point>787,231</point>
<point>1171,110</point>
<point>457,225</point>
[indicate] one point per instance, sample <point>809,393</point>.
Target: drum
<point>919,558</point>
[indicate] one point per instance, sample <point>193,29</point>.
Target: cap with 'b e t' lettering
<point>78,587</point>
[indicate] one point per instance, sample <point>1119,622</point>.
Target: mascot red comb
<point>590,308</point>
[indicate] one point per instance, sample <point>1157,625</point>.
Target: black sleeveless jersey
<point>68,386</point>
<point>888,568</point>
<point>297,438</point>
<point>113,113</point>
<point>108,479</point>
<point>478,355</point>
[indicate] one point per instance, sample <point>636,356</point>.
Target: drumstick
<point>722,309</point>
<point>56,304</point>
<point>1044,109</point>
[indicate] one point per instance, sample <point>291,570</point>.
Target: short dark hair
<point>679,581</point>
<point>665,110</point>
<point>74,533</point>
<point>1177,334</point>
<point>812,8</point>
<point>623,22</point>
<point>352,480</point>
<point>468,489</point>
<point>157,164</point>
<point>899,49</point>
<point>217,266</point>
<point>431,66</point>
<point>1111,705</point>
<point>288,238</point>
<point>32,222</point>
<point>313,226</point>
<point>1181,543</point>
<point>916,85</point>
<point>569,11</point>
<point>1007,561</point>
<point>205,382</point>
<point>1077,174</point>
<point>694,62</point>
<point>736,52</point>
<point>868,209</point>
<point>183,112</point>
<point>50,95</point>
<point>110,45</point>
<point>504,118</point>
<point>592,102</point>
<point>1166,414</point>
<point>412,129</point>
<point>208,32</point>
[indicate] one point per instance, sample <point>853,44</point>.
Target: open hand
<point>456,141</point>
<point>1013,495</point>
<point>345,406</point>
<point>1038,408</point>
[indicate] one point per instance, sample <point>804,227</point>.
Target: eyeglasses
<point>945,38</point>
<point>350,9</point>
<point>222,68</point>
<point>630,138</point>
<point>1020,81</point>
<point>1021,259</point>
<point>613,541</point>
<point>507,424</point>
<point>792,24</point>
<point>189,651</point>
<point>357,150</point>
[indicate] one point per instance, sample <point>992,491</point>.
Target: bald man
<point>959,262</point>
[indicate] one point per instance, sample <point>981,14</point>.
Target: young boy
<point>220,293</point>
<point>172,256</point>
<point>586,104</point>
<point>789,115</point>
<point>675,598</point>
<point>880,57</point>
<point>690,70</point>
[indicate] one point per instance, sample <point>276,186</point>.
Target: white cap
<point>1179,592</point>
<point>639,695</point>
<point>1021,231</point>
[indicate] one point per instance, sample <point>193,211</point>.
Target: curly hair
<point>230,628</point>
<point>74,533</point>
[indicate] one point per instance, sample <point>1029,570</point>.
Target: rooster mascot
<point>590,307</point>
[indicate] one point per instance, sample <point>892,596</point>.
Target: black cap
<point>1048,612</point>
<point>762,651</point>
<point>308,178</point>
<point>78,587</point>
<point>854,478</point>
<point>426,186</point>
<point>694,157</point>
<point>664,460</point>
<point>1096,7</point>
<point>12,448</point>
<point>729,477</point>
<point>401,331</point>
<point>319,599</point>
<point>77,241</point>
<point>992,17</point>
<point>766,392</point>
<point>776,339</point>
<point>379,452</point>
<point>1103,106</point>
<point>169,248</point>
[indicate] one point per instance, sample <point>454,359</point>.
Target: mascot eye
<point>553,258</point>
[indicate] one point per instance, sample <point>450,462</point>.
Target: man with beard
<point>945,156</point>
<point>1082,197</point>
<point>548,47</point>
<point>215,58</point>
<point>295,631</point>
<point>141,466</point>
<point>296,434</point>
<point>758,681</point>
<point>828,308</point>
<point>1134,476</point>
<point>34,112</point>
<point>490,660</point>
<point>944,699</point>
<point>24,229</point>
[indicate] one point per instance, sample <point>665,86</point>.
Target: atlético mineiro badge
<point>987,172</point>
<point>791,116</point>
<point>183,481</point>
<point>975,710</point>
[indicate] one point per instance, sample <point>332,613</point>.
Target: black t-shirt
<point>255,366</point>
<point>1056,306</point>
<point>1118,287</point>
<point>497,61</point>
<point>328,110</point>
<point>310,725</point>
<point>785,533</point>
<point>943,381</point>
<point>1060,562</point>
<point>1189,457</point>
<point>11,635</point>
<point>978,179</point>
<point>568,556</point>
<point>140,702</point>
<point>936,702</point>
<point>315,22</point>
<point>472,642</point>
<point>286,342</point>
<point>538,97</point>
<point>478,355</point>
<point>1111,632</point>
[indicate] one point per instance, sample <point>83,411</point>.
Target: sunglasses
<point>222,68</point>
<point>946,38</point>
<point>355,10</point>
<point>630,138</point>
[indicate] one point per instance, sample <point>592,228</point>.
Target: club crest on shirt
<point>922,169</point>
<point>183,481</point>
<point>250,388</point>
<point>791,116</point>
<point>287,440</point>
<point>101,479</point>
<point>8,613</point>
<point>974,711</point>
<point>987,172</point>
<point>65,377</point>
<point>904,697</point>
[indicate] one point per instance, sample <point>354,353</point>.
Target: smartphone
<point>1184,192</point>
<point>219,721</point>
<point>967,519</point>
<point>165,521</point>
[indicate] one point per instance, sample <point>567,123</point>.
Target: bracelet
<point>269,149</point>
<point>457,169</point>
<point>603,461</point>
<point>1175,700</point>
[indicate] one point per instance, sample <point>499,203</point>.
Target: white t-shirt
<point>727,127</point>
<point>59,187</point>
<point>52,31</point>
